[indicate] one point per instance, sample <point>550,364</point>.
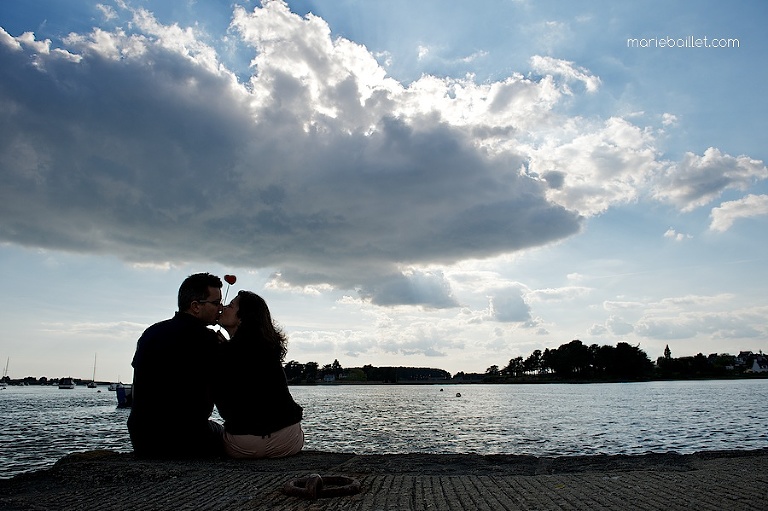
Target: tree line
<point>577,361</point>
<point>715,365</point>
<point>572,361</point>
<point>311,372</point>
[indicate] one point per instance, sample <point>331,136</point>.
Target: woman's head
<point>247,317</point>
<point>251,308</point>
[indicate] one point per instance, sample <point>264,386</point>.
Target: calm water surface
<point>39,425</point>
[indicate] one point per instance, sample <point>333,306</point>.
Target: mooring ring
<point>314,486</point>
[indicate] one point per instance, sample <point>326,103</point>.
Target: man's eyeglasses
<point>217,303</point>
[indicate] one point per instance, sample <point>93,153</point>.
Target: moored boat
<point>124,395</point>
<point>66,383</point>
<point>5,374</point>
<point>92,383</point>
<point>113,386</point>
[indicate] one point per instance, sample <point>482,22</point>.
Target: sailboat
<point>92,383</point>
<point>5,373</point>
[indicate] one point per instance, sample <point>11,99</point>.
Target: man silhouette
<point>172,395</point>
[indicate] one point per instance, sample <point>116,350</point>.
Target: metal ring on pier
<point>314,486</point>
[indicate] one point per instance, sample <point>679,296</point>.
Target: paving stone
<point>106,480</point>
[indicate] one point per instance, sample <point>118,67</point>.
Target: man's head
<point>200,296</point>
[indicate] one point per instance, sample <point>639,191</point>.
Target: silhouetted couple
<point>182,369</point>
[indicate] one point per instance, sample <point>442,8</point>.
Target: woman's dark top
<point>251,390</point>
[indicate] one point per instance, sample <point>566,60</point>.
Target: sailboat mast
<point>94,367</point>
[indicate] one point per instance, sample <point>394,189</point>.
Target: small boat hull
<point>124,395</point>
<point>66,383</point>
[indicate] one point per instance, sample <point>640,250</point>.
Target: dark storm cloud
<point>139,143</point>
<point>156,156</point>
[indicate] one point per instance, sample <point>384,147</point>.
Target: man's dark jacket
<point>172,396</point>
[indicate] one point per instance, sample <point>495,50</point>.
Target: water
<point>39,425</point>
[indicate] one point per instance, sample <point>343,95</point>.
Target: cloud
<point>668,119</point>
<point>597,330</point>
<point>315,344</point>
<point>618,326</point>
<point>550,36</point>
<point>412,287</point>
<point>615,305</point>
<point>10,43</point>
<point>697,180</point>
<point>139,142</point>
<point>727,213</point>
<point>474,56</point>
<point>565,69</point>
<point>614,325</point>
<point>717,325</point>
<point>559,294</point>
<point>418,337</point>
<point>677,236</point>
<point>319,165</point>
<point>589,169</point>
<point>508,305</point>
<point>689,317</point>
<point>406,334</point>
<point>109,330</point>
<point>107,11</point>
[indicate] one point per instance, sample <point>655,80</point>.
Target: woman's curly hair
<point>256,323</point>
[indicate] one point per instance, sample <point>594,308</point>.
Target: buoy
<point>458,394</point>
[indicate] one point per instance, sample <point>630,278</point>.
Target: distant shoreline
<point>527,380</point>
<point>533,380</point>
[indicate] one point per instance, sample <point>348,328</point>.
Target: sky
<point>432,183</point>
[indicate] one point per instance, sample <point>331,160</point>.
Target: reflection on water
<point>39,425</point>
<point>540,420</point>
